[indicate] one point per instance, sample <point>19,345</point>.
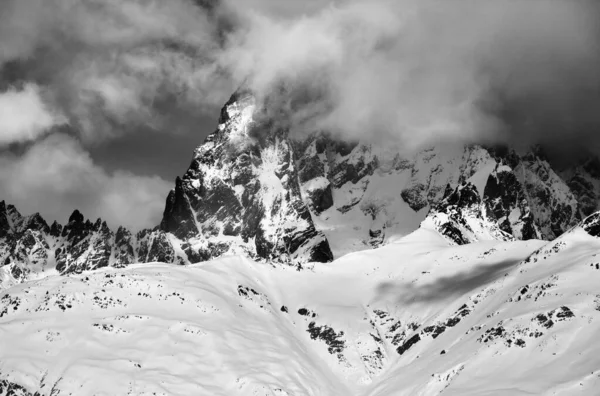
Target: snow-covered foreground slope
<point>415,317</point>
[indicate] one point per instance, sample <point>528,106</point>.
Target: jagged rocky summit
<point>242,194</point>
<point>29,246</point>
<point>255,189</point>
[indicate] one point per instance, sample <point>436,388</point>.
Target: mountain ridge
<point>254,189</point>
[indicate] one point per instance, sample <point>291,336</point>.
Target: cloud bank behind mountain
<point>409,72</point>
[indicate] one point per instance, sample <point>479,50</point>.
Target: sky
<point>103,101</point>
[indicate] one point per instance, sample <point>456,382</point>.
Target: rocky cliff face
<point>241,194</point>
<point>30,248</point>
<point>23,242</point>
<point>463,217</point>
<point>522,196</point>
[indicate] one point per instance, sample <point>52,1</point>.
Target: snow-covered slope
<point>418,316</point>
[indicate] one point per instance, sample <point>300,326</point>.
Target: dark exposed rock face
<point>584,182</point>
<point>312,174</point>
<point>242,193</point>
<point>326,165</point>
<point>553,205</point>
<point>592,225</point>
<point>8,388</point>
<point>85,246</point>
<point>414,197</point>
<point>408,344</point>
<point>154,246</point>
<point>320,198</point>
<point>355,167</point>
<point>506,202</point>
<point>28,244</point>
<point>4,223</point>
<point>524,197</point>
<point>178,217</point>
<point>23,245</point>
<point>123,248</point>
<point>461,217</point>
<point>335,341</point>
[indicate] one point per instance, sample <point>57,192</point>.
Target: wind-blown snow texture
<point>456,271</point>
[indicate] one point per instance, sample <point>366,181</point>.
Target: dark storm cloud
<point>56,175</point>
<point>100,70</point>
<point>420,71</point>
<point>111,64</point>
<point>416,72</point>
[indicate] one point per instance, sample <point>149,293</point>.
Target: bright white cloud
<point>24,116</point>
<point>57,175</point>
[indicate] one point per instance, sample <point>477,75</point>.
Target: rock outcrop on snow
<point>523,196</point>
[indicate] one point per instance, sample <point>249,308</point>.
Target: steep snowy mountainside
<point>417,316</point>
<point>374,194</point>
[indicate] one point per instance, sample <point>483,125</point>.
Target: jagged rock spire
<point>242,191</point>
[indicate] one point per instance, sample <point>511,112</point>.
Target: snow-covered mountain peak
<point>443,268</point>
<point>242,192</point>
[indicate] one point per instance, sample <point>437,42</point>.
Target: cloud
<point>109,65</point>
<point>412,71</point>
<point>421,72</point>
<point>290,9</point>
<point>57,175</point>
<point>24,116</point>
